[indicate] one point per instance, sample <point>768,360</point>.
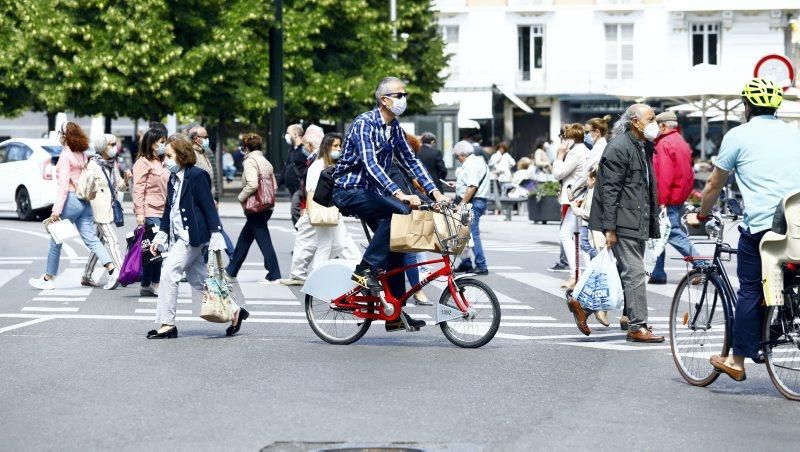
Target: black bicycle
<point>702,313</point>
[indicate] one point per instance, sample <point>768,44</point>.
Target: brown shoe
<point>643,335</point>
<point>601,317</point>
<point>579,315</point>
<point>88,282</point>
<point>719,363</point>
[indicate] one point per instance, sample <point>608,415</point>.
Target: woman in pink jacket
<point>149,199</point>
<point>71,163</point>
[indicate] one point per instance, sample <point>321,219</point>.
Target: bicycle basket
<point>452,229</point>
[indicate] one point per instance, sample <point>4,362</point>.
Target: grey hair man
<point>472,187</point>
<point>625,209</point>
<point>432,159</point>
<point>199,138</point>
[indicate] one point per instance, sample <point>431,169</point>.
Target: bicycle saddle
<point>780,247</point>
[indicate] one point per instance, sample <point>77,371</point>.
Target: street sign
<point>777,68</point>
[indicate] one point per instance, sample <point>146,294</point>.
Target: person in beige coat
<point>103,168</point>
<point>256,227</point>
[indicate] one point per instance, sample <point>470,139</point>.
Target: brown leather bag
<point>264,196</point>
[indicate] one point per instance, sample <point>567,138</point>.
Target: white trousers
<point>181,258</point>
<point>305,246</point>
<point>334,241</point>
<point>567,235</point>
<point>107,233</point>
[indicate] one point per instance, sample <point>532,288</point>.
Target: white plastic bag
<point>599,288</point>
<point>654,247</point>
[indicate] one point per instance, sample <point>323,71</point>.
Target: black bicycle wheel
<point>698,328</point>
<point>478,327</point>
<point>781,339</point>
<point>334,325</point>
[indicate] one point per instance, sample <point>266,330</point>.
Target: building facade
<point>521,68</point>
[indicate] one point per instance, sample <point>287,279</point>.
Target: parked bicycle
<point>702,313</point>
<point>467,311</point>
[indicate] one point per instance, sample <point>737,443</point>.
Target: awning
<point>472,105</point>
<point>515,99</point>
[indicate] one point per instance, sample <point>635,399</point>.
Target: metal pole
<point>703,128</point>
<point>393,17</point>
<point>277,149</point>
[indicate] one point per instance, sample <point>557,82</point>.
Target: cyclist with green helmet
<point>765,155</point>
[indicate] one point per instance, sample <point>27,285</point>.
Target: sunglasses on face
<point>396,95</point>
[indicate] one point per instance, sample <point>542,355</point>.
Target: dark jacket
<point>433,161</point>
<point>200,216</point>
<point>623,201</point>
<point>294,170</point>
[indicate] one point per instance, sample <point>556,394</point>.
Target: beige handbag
<point>321,216</point>
<point>218,294</point>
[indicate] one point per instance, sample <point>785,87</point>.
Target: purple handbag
<point>131,271</point>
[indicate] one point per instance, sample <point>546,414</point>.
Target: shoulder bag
<point>86,188</point>
<point>264,196</point>
<point>116,207</point>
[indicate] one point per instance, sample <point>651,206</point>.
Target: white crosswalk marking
<point>47,309</point>
<point>8,275</point>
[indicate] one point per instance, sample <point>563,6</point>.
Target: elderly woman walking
<point>108,181</point>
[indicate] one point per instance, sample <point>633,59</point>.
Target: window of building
<point>530,39</point>
<point>705,44</point>
<point>619,51</point>
<point>449,35</point>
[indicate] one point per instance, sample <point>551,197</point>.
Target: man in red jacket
<point>675,179</point>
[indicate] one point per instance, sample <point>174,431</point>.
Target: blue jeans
<point>230,172</point>
<point>80,214</point>
<point>749,312</point>
<point>412,273</point>
<point>587,247</point>
<point>376,210</point>
<point>678,240</point>
<point>478,208</point>
<point>151,272</point>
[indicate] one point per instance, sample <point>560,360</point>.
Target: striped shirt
<point>367,155</point>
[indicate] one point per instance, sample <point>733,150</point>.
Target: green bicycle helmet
<point>763,93</point>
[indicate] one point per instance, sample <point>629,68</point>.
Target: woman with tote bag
<point>257,173</point>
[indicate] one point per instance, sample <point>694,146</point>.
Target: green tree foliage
<point>14,96</point>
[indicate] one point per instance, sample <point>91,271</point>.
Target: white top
<point>227,159</point>
<point>501,165</point>
<point>312,176</point>
<point>569,170</point>
<point>472,171</point>
<point>178,231</point>
<point>595,154</point>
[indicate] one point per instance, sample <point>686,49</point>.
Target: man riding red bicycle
<point>363,187</point>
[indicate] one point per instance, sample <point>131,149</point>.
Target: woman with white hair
<point>108,181</point>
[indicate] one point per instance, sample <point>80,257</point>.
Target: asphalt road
<point>78,374</point>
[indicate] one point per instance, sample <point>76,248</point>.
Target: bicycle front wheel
<point>698,327</point>
<point>781,339</point>
<point>477,327</point>
<point>334,325</point>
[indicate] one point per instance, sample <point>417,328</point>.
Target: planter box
<point>544,210</point>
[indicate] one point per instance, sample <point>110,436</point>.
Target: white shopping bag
<point>599,288</point>
<point>61,230</point>
<point>654,247</point>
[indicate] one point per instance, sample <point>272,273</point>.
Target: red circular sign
<point>777,68</point>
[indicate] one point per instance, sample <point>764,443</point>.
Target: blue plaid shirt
<point>368,153</point>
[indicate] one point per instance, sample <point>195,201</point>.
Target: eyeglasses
<point>396,95</point>
<point>202,136</point>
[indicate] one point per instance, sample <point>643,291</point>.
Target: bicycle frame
<point>370,307</point>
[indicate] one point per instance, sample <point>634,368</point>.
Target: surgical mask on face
<point>336,154</point>
<point>205,143</point>
<point>161,148</point>
<point>111,153</point>
<point>651,131</point>
<point>172,165</point>
<point>398,106</point>
<point>288,139</point>
<point>588,140</point>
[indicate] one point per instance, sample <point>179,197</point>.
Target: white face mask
<point>288,139</point>
<point>336,154</point>
<point>398,106</point>
<point>111,153</point>
<point>205,143</point>
<point>172,166</point>
<point>161,148</point>
<point>651,131</point>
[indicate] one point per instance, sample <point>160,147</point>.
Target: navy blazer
<point>199,214</point>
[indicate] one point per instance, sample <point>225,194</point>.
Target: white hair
<point>463,148</point>
<point>624,123</point>
<point>100,142</point>
<point>383,86</point>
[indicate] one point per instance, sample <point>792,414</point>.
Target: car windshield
<point>54,151</point>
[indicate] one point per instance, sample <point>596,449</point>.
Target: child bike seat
<point>780,245</point>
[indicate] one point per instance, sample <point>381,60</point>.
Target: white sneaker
<point>292,281</point>
<point>42,284</point>
<point>113,280</point>
<point>267,282</point>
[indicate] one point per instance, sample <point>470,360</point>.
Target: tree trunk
<point>51,121</point>
<point>107,126</point>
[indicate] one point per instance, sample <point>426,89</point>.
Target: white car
<point>28,175</point>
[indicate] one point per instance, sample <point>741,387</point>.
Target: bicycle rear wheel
<point>782,329</point>
<point>334,325</point>
<point>479,326</point>
<point>698,328</point>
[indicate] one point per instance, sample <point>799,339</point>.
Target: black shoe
<point>366,279</point>
<point>147,291</point>
<point>559,267</point>
<point>463,267</point>
<point>481,272</point>
<point>658,281</point>
<point>397,325</point>
<point>233,329</point>
<point>171,333</point>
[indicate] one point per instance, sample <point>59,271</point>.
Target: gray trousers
<point>181,258</point>
<point>630,262</point>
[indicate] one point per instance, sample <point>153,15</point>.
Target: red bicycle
<point>467,312</point>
